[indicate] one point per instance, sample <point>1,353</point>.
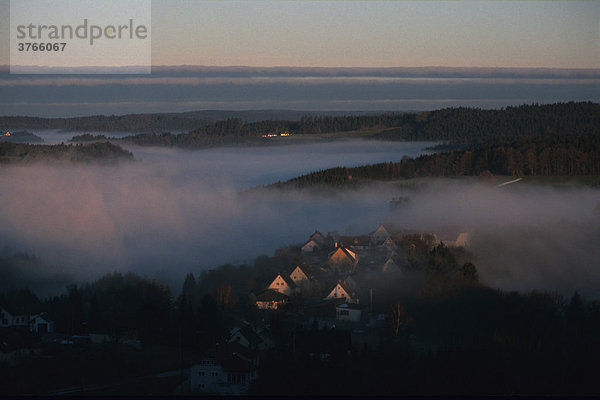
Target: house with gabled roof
<point>271,300</point>
<point>343,258</point>
<point>310,247</point>
<point>318,238</point>
<point>342,291</point>
<point>226,370</point>
<point>379,235</point>
<point>283,284</point>
<point>303,280</point>
<point>246,337</point>
<point>298,275</point>
<point>350,283</point>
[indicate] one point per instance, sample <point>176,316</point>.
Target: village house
<point>343,259</point>
<point>316,242</point>
<point>310,247</point>
<point>283,284</point>
<point>34,322</point>
<point>247,337</point>
<point>342,291</point>
<point>224,371</point>
<point>381,234</point>
<point>361,243</point>
<point>271,300</point>
<point>40,323</point>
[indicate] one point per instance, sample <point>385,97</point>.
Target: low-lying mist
<point>174,211</point>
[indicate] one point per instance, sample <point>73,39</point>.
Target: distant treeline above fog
<point>449,124</point>
<point>21,152</point>
<point>159,122</point>
<point>465,125</point>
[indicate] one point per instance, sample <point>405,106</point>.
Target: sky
<point>558,34</point>
<point>406,55</point>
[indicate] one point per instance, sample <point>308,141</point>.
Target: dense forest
<point>558,156</point>
<point>464,125</point>
<point>471,339</point>
<point>101,152</point>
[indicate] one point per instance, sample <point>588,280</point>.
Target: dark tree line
<point>20,152</point>
<point>557,156</point>
<point>463,125</point>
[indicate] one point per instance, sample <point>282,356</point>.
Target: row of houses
<point>34,322</point>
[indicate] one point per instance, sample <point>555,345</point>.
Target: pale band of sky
<point>558,34</point>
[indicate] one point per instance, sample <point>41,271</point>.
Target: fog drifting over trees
<point>175,211</point>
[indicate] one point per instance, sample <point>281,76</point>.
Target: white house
<point>224,373</point>
<point>41,324</point>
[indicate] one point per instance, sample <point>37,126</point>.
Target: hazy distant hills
<point>160,122</point>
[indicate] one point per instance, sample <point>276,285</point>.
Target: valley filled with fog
<point>175,211</point>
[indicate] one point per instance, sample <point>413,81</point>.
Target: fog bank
<point>175,211</point>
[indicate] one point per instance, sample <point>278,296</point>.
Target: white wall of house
<point>347,314</point>
<point>40,325</point>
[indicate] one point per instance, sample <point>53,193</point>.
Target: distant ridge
<point>161,122</point>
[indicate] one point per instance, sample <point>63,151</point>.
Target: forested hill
<point>472,125</point>
<point>464,125</point>
<point>557,156</point>
<point>94,152</point>
<point>158,122</point>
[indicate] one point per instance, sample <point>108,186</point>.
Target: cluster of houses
<point>276,134</point>
<point>334,263</point>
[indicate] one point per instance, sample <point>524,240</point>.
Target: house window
<point>344,312</point>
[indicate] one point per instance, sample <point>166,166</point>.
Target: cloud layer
<point>187,88</point>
